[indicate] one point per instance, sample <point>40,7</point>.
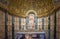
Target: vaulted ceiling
<point>21,7</point>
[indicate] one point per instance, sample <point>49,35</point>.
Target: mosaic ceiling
<point>20,8</point>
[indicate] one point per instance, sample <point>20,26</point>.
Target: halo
<point>31,11</point>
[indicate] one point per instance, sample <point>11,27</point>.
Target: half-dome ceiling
<point>21,7</point>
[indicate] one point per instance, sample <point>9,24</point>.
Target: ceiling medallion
<point>21,7</point>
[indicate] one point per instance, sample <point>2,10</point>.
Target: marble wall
<point>2,25</point>
<point>58,24</point>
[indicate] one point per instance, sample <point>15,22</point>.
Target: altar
<point>34,35</point>
<point>30,28</point>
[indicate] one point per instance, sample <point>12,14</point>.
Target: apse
<point>29,19</point>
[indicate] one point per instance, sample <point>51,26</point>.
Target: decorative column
<point>27,21</point>
<point>6,26</point>
<point>42,23</point>
<point>49,27</point>
<point>55,25</point>
<point>25,24</point>
<point>12,27</point>
<point>19,23</point>
<point>36,23</point>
